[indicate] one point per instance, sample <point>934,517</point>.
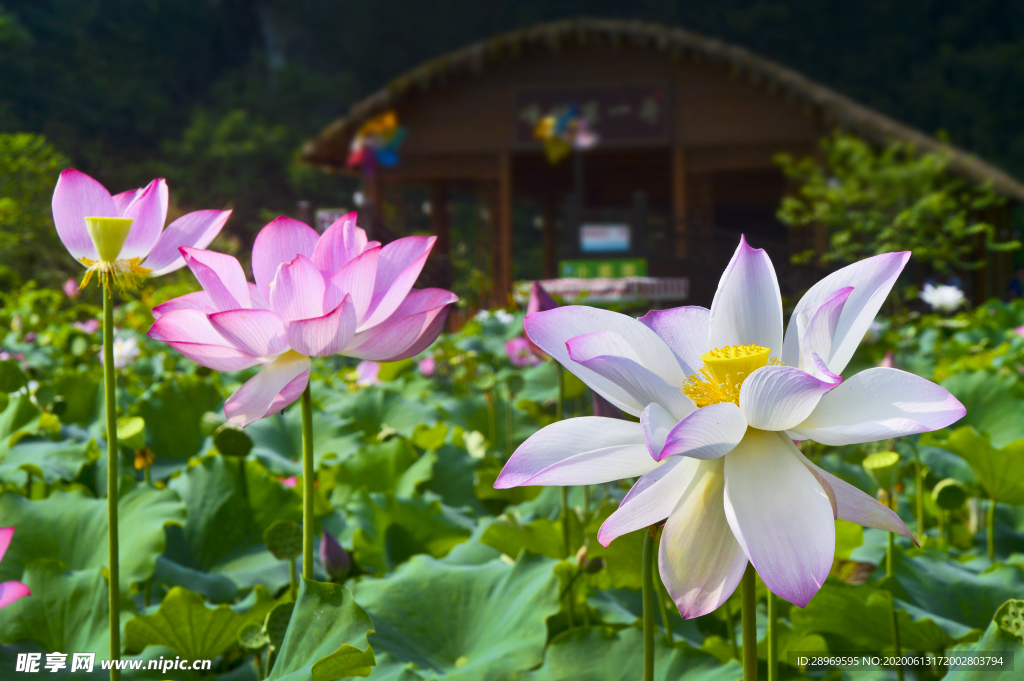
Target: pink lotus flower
<point>540,301</point>
<point>314,296</point>
<point>427,365</point>
<point>366,373</point>
<point>10,591</point>
<point>289,481</point>
<point>71,288</point>
<point>89,326</point>
<point>146,249</point>
<point>519,352</point>
<point>721,395</point>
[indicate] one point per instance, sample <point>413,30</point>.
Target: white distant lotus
<point>942,298</point>
<point>721,394</point>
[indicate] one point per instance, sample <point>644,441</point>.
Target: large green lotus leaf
<point>173,411</point>
<point>967,593</point>
<point>214,587</point>
<point>184,624</point>
<point>996,639</point>
<point>866,620</point>
<point>393,465</point>
<point>543,536</point>
<point>1000,471</point>
<point>604,654</point>
<point>277,439</point>
<point>326,638</point>
<point>72,528</point>
<point>943,464</point>
<point>468,622</point>
<point>374,407</point>
<point>387,531</point>
<point>80,391</point>
<point>68,611</point>
<point>390,669</point>
<point>228,510</point>
<point>57,460</point>
<point>994,403</point>
<point>452,476</point>
<point>19,413</point>
<point>622,559</point>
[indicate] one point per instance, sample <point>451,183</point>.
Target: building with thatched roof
<point>687,130</point>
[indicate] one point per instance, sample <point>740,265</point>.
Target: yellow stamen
<point>124,273</point>
<point>723,373</point>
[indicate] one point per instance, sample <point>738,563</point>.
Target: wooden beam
<point>679,201</point>
<point>503,233</point>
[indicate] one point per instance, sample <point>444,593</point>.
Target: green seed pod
<point>252,638</point>
<point>231,440</point>
<point>883,468</point>
<point>276,625</point>
<point>284,539</point>
<point>949,495</point>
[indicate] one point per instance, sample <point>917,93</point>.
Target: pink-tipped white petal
<point>656,422</point>
<point>277,243</point>
<point>871,279</point>
<point>817,325</point>
<point>148,211</point>
<point>76,197</point>
<point>748,305</point>
<point>12,591</point>
<point>707,433</point>
<point>550,330</point>
<point>220,276</point>
<point>195,230</point>
<point>613,444</point>
<point>878,404</point>
<point>190,332</point>
<point>410,330</point>
<point>297,291</point>
<point>650,499</point>
<point>779,397</point>
<point>640,383</point>
<point>685,331</point>
<point>326,335</point>
<point>699,558</point>
<point>259,333</point>
<point>200,300</point>
<point>341,242</point>
<point>355,279</point>
<point>398,266</point>
<point>258,397</point>
<point>780,515</point>
<point>855,506</point>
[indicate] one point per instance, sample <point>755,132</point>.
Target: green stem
<point>896,636</point>
<point>888,554</point>
<point>561,392</point>
<point>648,595</point>
<point>109,390</point>
<point>919,484</point>
<point>259,667</point>
<point>662,597</point>
<point>773,638</point>
<point>732,630</point>
<point>308,477</point>
<point>990,529</point>
<point>508,427</point>
<point>748,599</point>
<point>586,607</point>
<point>293,582</point>
<point>586,501</point>
<point>565,522</point>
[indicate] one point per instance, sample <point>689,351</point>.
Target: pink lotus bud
<point>519,352</point>
<point>426,365</point>
<point>333,556</point>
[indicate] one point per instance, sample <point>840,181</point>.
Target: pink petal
<point>277,243</point>
<point>355,278</point>
<point>780,515</point>
<point>613,446</point>
<point>6,534</point>
<point>148,211</point>
<point>339,243</point>
<point>259,333</point>
<point>324,336</point>
<point>195,229</point>
<point>540,299</point>
<point>76,197</point>
<point>269,391</point>
<point>12,591</point>
<point>748,306</point>
<point>200,300</point>
<point>685,331</point>
<point>220,276</point>
<point>699,558</point>
<point>297,291</point>
<point>877,404</point>
<point>650,500</point>
<point>411,329</point>
<point>124,199</point>
<point>398,267</point>
<point>190,332</point>
<point>871,279</point>
<point>779,397</point>
<point>707,433</point>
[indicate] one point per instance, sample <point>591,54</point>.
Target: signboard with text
<point>607,268</point>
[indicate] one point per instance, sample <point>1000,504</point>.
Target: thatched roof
<point>834,109</point>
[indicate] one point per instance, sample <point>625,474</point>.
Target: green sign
<point>606,268</point>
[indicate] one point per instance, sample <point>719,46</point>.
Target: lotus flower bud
<point>333,556</point>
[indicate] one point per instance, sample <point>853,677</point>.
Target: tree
<point>893,199</point>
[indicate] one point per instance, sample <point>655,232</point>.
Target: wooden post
<point>440,225</point>
<point>503,233</point>
<point>679,203</point>
<point>549,239</point>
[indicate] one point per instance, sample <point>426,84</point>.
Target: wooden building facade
<point>688,129</point>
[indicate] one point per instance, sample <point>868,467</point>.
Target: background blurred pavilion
<point>688,127</point>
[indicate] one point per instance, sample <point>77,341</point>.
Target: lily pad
<point>1000,471</point>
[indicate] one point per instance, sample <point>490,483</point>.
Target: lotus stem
<point>648,596</point>
<point>308,477</point>
<point>888,554</point>
<point>773,638</point>
<point>660,585</point>
<point>110,395</point>
<point>990,529</point>
<point>732,630</point>
<point>566,545</point>
<point>919,484</point>
<point>259,666</point>
<point>748,598</point>
<point>896,635</point>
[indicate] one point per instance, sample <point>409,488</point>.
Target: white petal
<point>685,331</point>
<point>650,500</point>
<point>748,306</point>
<point>779,397</point>
<point>707,433</point>
<point>818,325</point>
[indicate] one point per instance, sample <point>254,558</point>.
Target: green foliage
<point>1000,471</point>
<point>894,199</point>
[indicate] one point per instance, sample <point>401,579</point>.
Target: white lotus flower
<point>721,396</point>
<point>942,298</point>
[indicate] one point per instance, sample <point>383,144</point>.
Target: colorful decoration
<point>376,144</point>
<point>563,132</point>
